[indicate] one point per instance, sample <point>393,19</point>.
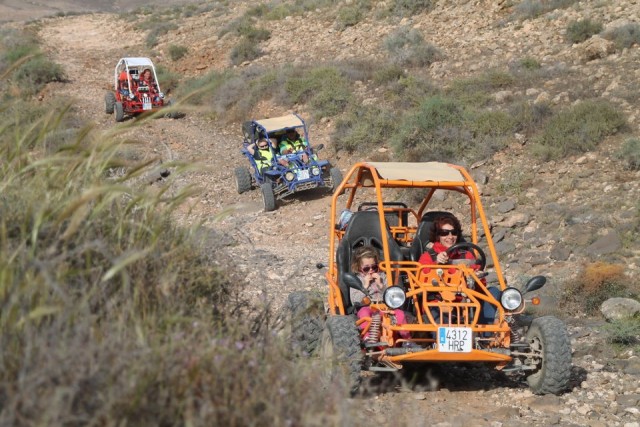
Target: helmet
<point>345,217</point>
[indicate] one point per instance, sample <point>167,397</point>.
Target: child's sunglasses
<point>369,268</point>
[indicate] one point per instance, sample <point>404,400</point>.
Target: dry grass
<point>112,315</point>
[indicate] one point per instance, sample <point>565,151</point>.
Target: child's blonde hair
<point>363,252</point>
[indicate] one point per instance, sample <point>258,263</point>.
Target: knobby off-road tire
<point>304,322</point>
<point>548,337</point>
<point>109,102</point>
<point>243,180</point>
<point>268,198</point>
<point>336,178</point>
<point>340,351</point>
<point>119,110</point>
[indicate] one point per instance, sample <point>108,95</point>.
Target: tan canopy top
<point>277,123</point>
<point>427,171</point>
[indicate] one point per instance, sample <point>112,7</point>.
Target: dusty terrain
<point>277,251</point>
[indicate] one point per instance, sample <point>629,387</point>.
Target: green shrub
<point>388,73</point>
<point>476,90</point>
<point>529,118</point>
<point>578,129</point>
<point>407,46</point>
<point>365,129</point>
<point>177,52</point>
<point>491,123</point>
<point>624,36</point>
<point>529,63</point>
<point>579,31</point>
<point>625,332</point>
<point>530,9</point>
<point>432,131</point>
<point>245,50</point>
<point>327,91</point>
<point>630,154</point>
<point>168,79</point>
<point>201,90</point>
<point>244,27</point>
<point>409,7</point>
<point>157,30</point>
<point>348,16</point>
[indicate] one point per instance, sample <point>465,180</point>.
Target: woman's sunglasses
<point>369,268</point>
<point>453,232</point>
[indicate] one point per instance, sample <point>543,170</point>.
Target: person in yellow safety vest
<point>293,143</point>
<point>263,155</point>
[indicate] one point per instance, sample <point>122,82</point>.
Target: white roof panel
<point>420,172</point>
<point>277,123</point>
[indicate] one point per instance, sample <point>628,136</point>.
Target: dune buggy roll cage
<point>380,175</point>
<point>138,64</point>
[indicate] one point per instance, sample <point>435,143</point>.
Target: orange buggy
<point>393,206</point>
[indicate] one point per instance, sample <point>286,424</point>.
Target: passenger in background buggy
<point>365,265</point>
<point>292,142</point>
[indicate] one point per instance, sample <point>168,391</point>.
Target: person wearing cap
<point>263,155</point>
<point>292,142</point>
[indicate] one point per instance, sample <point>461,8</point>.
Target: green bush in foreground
<point>111,314</point>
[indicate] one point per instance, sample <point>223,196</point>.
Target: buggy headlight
<point>315,171</point>
<point>289,176</point>
<point>394,297</point>
<point>161,95</point>
<point>511,299</point>
<point>131,95</point>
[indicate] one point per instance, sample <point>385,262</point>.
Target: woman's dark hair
<point>440,221</point>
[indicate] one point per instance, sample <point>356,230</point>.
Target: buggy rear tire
<point>548,339</point>
<point>304,321</point>
<point>109,102</point>
<point>340,351</point>
<point>268,198</point>
<point>119,110</point>
<point>243,180</point>
<point>336,178</point>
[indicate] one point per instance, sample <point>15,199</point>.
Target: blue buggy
<point>279,174</point>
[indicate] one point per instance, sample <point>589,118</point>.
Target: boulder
<point>619,308</point>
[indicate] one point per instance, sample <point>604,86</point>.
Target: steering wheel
<point>481,260</point>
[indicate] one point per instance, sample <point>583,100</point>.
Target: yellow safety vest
<point>267,154</point>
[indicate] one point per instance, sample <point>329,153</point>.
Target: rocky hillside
<point>549,218</point>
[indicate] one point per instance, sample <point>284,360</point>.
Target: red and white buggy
<point>131,94</point>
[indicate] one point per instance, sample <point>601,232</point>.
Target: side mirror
<point>318,147</point>
<point>534,283</point>
<point>352,281</point>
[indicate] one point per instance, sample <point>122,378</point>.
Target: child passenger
<point>365,265</point>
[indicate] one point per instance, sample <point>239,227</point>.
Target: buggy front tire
<point>336,178</point>
<point>549,341</point>
<point>119,110</point>
<point>243,180</point>
<point>109,102</point>
<point>304,321</point>
<point>268,197</point>
<point>340,352</point>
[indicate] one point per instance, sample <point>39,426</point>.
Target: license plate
<point>146,106</point>
<point>454,340</point>
<point>303,174</point>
